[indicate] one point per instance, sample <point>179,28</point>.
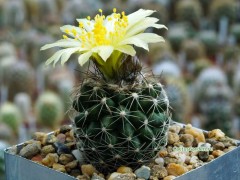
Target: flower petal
<point>64,43</point>
<point>55,57</point>
<point>66,55</point>
<point>127,49</point>
<point>68,29</point>
<point>87,24</point>
<point>143,25</point>
<point>105,52</point>
<point>83,58</point>
<point>149,37</point>
<point>138,16</point>
<point>135,41</point>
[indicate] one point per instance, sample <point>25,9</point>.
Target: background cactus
<point>21,79</point>
<point>217,108</point>
<point>189,11</point>
<point>235,31</point>
<point>223,8</point>
<point>119,125</point>
<point>49,110</point>
<point>210,41</point>
<point>11,116</point>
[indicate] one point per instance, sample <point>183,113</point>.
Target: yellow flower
<point>103,36</point>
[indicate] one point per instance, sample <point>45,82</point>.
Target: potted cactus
<point>122,113</point>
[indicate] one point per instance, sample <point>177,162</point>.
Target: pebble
<point>38,158</point>
<point>88,169</point>
<point>83,177</point>
<point>203,155</point>
<point>96,177</point>
<point>216,133</point>
<point>187,139</point>
<point>210,158</point>
<point>30,150</point>
<point>143,172</point>
<point>65,128</point>
<point>211,141</point>
<point>175,128</point>
<point>172,138</point>
<point>217,153</point>
<point>193,160</point>
<point>169,177</point>
<point>159,161</point>
<point>176,169</point>
<point>218,146</point>
<point>39,136</point>
<point>61,138</point>
<point>50,159</point>
<point>163,153</point>
<point>62,148</point>
<point>78,155</point>
<point>169,160</point>
<point>124,169</point>
<point>59,167</point>
<point>159,171</point>
<point>126,176</point>
<point>65,158</point>
<point>47,149</point>
<point>50,139</point>
<point>198,134</point>
<point>74,172</point>
<point>114,175</point>
<point>71,165</point>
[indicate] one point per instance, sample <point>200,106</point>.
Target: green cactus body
<point>49,110</point>
<point>223,8</point>
<point>11,116</point>
<point>120,125</point>
<point>189,11</point>
<point>217,108</point>
<point>6,65</point>
<point>210,41</point>
<point>21,79</point>
<point>235,31</point>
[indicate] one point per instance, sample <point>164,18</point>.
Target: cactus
<point>13,13</point>
<point>193,49</point>
<point>21,79</point>
<point>235,31</point>
<point>49,110</point>
<point>189,11</point>
<point>11,116</point>
<point>210,41</point>
<point>121,113</point>
<point>7,49</point>
<point>201,64</point>
<point>176,36</point>
<point>176,91</point>
<point>211,76</point>
<point>223,8</point>
<point>6,65</point>
<point>217,108</point>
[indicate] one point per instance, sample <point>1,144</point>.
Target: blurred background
<point>199,64</point>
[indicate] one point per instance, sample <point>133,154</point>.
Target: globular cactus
<point>235,32</point>
<point>223,8</point>
<point>119,125</point>
<point>13,14</point>
<point>21,79</point>
<point>7,49</point>
<point>11,116</point>
<point>189,11</point>
<point>176,36</point>
<point>49,110</point>
<point>6,64</point>
<point>166,69</point>
<point>217,108</point>
<point>211,76</point>
<point>193,49</point>
<point>178,96</point>
<point>210,41</point>
<point>201,64</point>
